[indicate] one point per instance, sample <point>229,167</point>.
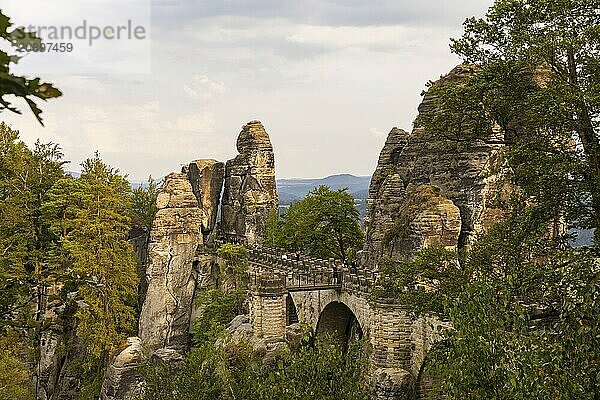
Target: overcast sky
<point>328,79</point>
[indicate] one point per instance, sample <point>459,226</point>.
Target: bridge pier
<point>268,307</point>
<point>392,353</point>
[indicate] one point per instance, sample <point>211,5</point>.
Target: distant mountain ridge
<point>294,189</point>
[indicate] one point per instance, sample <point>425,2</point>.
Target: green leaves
<point>524,312</point>
<point>20,86</point>
<point>26,178</point>
<point>538,64</point>
<point>324,224</point>
<point>319,371</point>
<point>90,218</point>
<point>143,204</point>
<point>14,377</point>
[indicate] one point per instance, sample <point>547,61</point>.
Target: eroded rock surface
<point>206,178</point>
<point>399,220</point>
<point>174,239</point>
<point>123,381</point>
<point>250,192</point>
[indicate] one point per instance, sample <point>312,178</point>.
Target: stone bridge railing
<point>300,273</point>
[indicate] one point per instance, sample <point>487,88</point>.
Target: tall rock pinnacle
<point>250,193</point>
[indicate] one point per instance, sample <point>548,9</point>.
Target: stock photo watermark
<point>83,37</point>
<point>86,32</point>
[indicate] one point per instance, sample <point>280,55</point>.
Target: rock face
<point>174,239</point>
<point>187,211</point>
<point>250,192</point>
<point>206,178</point>
<point>123,381</point>
<point>427,191</point>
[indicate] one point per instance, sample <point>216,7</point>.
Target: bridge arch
<point>338,322</point>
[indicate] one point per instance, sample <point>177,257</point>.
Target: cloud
<point>339,37</point>
<point>326,12</point>
<point>378,133</point>
<point>201,87</point>
<point>320,74</point>
<point>203,122</point>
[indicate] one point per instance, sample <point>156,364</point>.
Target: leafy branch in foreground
<point>15,85</point>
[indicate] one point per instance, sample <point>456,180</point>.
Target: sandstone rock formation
<point>176,268</point>
<point>123,381</point>
<point>174,239</point>
<point>187,211</point>
<point>250,192</point>
<point>401,217</point>
<point>206,178</point>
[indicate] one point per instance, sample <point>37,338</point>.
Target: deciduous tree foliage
<point>324,224</point>
<point>537,89</point>
<point>220,305</point>
<point>70,235</point>
<point>26,177</point>
<point>91,217</point>
<point>319,371</point>
<point>524,312</point>
<point>143,204</point>
<point>15,383</point>
<point>524,307</point>
<point>20,86</point>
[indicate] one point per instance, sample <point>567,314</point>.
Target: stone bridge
<point>333,299</point>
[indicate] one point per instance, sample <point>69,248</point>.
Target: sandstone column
<point>250,193</point>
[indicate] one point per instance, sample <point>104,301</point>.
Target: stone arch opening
<point>337,322</point>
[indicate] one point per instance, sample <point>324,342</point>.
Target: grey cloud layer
<point>328,79</point>
<point>333,13</point>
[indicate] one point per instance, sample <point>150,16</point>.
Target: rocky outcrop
<point>174,239</point>
<point>123,380</point>
<point>177,267</point>
<point>250,193</point>
<point>187,212</point>
<point>429,191</point>
<point>206,178</point>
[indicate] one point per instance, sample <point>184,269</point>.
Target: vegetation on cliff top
<point>524,307</point>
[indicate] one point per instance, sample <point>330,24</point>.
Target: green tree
<point>315,371</point>
<point>524,311</point>
<point>535,89</point>
<point>322,370</point>
<point>233,266</point>
<point>198,378</point>
<point>273,230</point>
<point>143,204</point>
<point>15,85</point>
<point>15,383</point>
<point>524,306</point>
<point>220,305</point>
<point>26,177</point>
<point>324,224</point>
<point>91,219</point>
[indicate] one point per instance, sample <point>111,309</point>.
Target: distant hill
<point>296,189</point>
<point>292,190</point>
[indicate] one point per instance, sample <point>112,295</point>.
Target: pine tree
<point>92,219</point>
